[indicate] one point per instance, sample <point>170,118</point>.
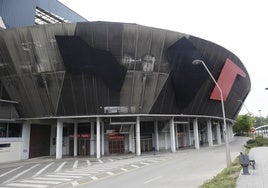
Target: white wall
<point>12,153</point>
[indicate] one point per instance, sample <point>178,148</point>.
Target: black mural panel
<point>186,77</point>
<point>166,101</point>
<point>79,57</point>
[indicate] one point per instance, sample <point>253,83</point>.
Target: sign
<point>80,135</point>
<point>252,129</point>
<point>117,137</point>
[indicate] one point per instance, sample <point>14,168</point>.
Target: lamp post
<point>227,148</point>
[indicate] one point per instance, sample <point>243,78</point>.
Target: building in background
<point>99,88</point>
<point>16,13</point>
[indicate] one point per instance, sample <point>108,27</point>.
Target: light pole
<point>227,148</point>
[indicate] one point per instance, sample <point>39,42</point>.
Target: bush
<point>257,142</point>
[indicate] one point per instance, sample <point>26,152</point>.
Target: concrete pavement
<point>258,177</point>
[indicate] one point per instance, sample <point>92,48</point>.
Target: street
<point>185,168</point>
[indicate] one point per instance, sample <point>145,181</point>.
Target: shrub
<point>257,142</point>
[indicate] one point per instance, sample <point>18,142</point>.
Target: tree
<point>243,124</point>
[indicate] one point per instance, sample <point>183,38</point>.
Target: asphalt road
<point>185,168</point>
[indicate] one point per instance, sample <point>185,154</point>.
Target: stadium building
<point>69,87</point>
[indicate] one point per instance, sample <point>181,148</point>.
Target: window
<point>10,130</point>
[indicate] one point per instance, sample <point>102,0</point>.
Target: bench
<point>252,163</point>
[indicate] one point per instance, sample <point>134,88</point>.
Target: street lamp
<point>227,148</point>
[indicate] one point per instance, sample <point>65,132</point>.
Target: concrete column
<point>102,138</point>
<point>26,132</point>
<point>92,139</point>
<point>196,134</point>
<point>75,138</point>
<point>209,133</point>
<point>172,135</point>
<point>138,138</point>
<point>130,138</point>
<point>59,140</point>
<point>176,136</point>
<point>218,133</point>
<point>156,135</point>
<point>188,135</point>
<point>98,152</point>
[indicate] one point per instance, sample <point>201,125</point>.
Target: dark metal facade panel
<point>35,72</point>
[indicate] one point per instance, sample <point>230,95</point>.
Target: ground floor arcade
<point>99,136</point>
<point>107,136</point>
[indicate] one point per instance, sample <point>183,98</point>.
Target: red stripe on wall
<point>226,80</point>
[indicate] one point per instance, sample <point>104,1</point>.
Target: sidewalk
<point>258,178</point>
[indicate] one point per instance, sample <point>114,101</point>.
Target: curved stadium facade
<point>101,88</point>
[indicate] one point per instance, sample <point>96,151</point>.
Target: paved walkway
<point>258,178</point>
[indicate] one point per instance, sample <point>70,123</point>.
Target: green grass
<point>226,178</point>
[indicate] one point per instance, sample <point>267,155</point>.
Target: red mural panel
<point>226,80</point>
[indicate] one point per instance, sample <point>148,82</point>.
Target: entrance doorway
<point>83,145</point>
<point>39,140</point>
<point>146,144</point>
<point>116,144</point>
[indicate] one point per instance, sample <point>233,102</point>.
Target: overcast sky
<point>238,25</point>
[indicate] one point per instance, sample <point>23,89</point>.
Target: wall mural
<point>79,57</point>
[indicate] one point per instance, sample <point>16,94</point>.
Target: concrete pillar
<point>102,138</point>
<point>59,140</point>
<point>184,136</point>
<point>218,133</point>
<point>98,152</point>
<point>92,139</point>
<point>176,136</point>
<point>188,135</point>
<point>75,138</point>
<point>130,139</point>
<point>209,133</point>
<point>138,138</point>
<point>172,135</point>
<point>156,135</point>
<point>196,134</point>
<point>26,132</point>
